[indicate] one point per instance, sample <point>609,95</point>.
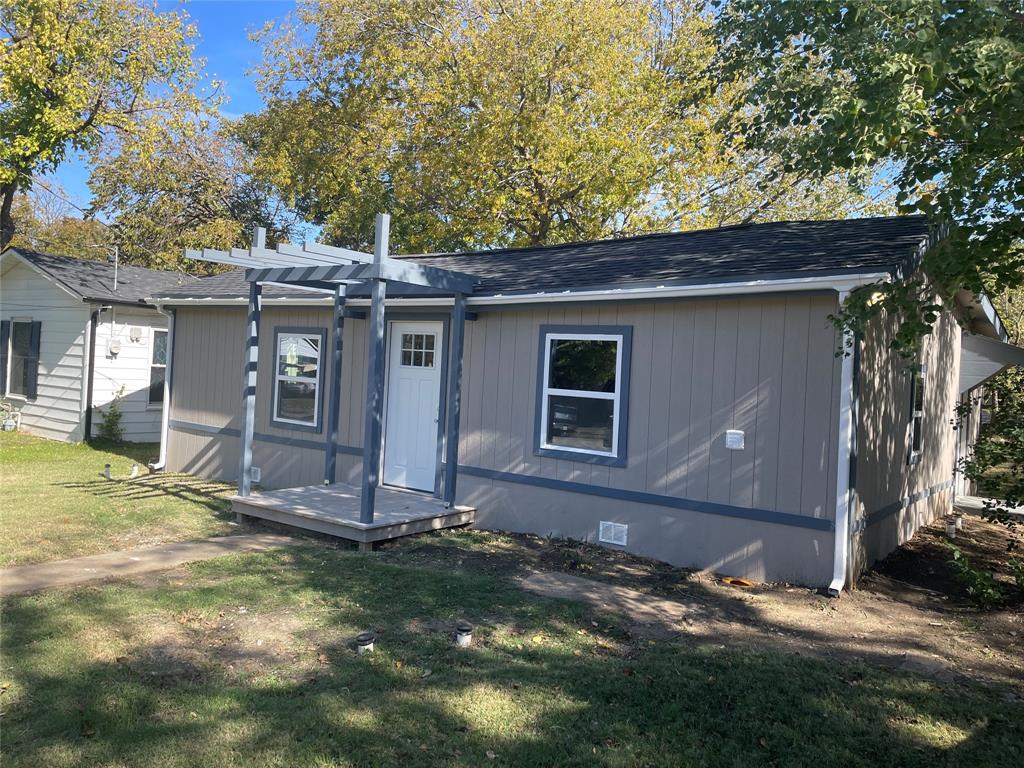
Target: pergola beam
<point>252,351</point>
<point>334,404</point>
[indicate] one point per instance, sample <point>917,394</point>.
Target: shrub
<point>110,425</point>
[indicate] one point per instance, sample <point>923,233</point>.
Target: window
<point>418,350</point>
<point>917,391</point>
<point>582,397</point>
<point>297,378</point>
<point>21,357</point>
<point>158,368</point>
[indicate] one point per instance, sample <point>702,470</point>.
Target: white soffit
<point>981,358</point>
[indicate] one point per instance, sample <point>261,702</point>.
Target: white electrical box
<point>135,333</point>
<point>734,439</point>
<point>254,474</point>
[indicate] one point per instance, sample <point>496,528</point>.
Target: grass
<point>56,504</point>
<point>247,661</point>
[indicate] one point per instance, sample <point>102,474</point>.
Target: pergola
<point>327,269</point>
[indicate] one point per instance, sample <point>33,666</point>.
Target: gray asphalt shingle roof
<point>94,280</point>
<point>750,251</point>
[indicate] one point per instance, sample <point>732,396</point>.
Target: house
<point>76,333</point>
<point>676,395</point>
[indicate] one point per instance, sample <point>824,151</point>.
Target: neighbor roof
<point>743,252</point>
<point>94,280</point>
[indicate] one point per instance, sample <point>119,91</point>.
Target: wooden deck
<point>334,510</point>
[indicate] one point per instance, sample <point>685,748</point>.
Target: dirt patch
<point>904,623</point>
<point>191,647</point>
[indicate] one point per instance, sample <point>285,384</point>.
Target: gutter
<point>844,463</point>
<point>165,415</point>
<point>842,283</point>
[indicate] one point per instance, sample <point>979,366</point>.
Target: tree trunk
<point>6,222</point>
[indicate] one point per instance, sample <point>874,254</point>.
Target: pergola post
<point>374,377</point>
<point>334,404</point>
<point>252,351</point>
<point>451,442</point>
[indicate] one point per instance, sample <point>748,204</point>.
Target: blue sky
<point>223,28</point>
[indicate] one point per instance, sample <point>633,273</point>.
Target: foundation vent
<point>613,533</point>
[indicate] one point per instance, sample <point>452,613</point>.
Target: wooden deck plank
<point>334,510</point>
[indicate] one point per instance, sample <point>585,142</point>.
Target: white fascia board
<point>838,283</point>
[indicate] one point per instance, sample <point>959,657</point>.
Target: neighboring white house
<point>70,341</point>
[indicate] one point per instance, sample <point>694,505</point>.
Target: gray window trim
<point>318,424</point>
<point>619,459</point>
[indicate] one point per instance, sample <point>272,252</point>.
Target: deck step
<point>334,510</point>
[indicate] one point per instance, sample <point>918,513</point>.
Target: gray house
<point>676,395</point>
<point>75,334</point>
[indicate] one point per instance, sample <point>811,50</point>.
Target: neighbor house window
<point>158,368</point>
<point>21,357</point>
<point>582,397</point>
<point>297,378</point>
<point>917,414</point>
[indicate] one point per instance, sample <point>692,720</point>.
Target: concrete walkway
<point>63,573</point>
<point>977,504</point>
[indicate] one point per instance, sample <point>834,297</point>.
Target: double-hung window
<point>158,368</point>
<point>583,393</point>
<point>916,436</point>
<point>297,377</point>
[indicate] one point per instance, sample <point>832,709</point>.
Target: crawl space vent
<point>613,533</point>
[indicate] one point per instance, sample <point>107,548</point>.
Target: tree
<point>76,73</point>
<point>930,90</point>
<point>186,189</point>
<point>45,221</point>
<point>506,122</point>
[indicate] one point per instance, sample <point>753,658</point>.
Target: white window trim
<point>278,378</point>
<point>152,351</point>
<point>10,359</point>
<point>616,396</point>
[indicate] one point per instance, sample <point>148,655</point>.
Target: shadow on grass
<point>543,685</point>
<point>209,494</point>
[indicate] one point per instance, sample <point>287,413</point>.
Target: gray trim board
<point>334,401</point>
<point>619,460</point>
<point>261,437</point>
<point>454,405</point>
<point>251,379</point>
<point>880,515</point>
<point>642,497</point>
<point>317,425</point>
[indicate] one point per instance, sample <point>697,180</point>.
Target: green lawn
<point>54,502</point>
<point>246,661</point>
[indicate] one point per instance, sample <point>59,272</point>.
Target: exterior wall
<point>129,369</point>
<point>765,365</point>
<point>893,497</point>
<point>57,412</point>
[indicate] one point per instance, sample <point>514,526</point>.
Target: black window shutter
<point>5,347</point>
<point>32,364</point>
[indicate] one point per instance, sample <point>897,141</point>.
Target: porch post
<point>451,460</point>
<point>374,377</point>
<point>252,351</point>
<point>334,404</point>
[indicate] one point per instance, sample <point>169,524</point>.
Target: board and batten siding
<point>127,372</point>
<point>765,365</point>
<point>894,498</point>
<point>58,410</point>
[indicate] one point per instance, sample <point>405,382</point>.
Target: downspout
<point>844,465</point>
<point>165,416</point>
<point>90,374</point>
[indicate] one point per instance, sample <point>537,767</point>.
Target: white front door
<point>413,402</point>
